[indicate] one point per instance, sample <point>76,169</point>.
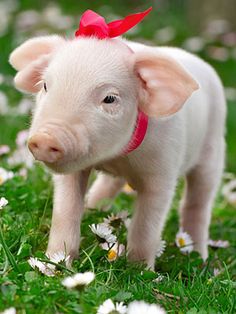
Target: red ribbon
<point>93,24</point>
<point>138,134</point>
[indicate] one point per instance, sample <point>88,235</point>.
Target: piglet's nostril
<point>54,149</point>
<point>33,145</point>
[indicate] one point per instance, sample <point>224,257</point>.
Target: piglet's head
<point>88,92</point>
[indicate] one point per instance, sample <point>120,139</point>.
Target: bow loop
<point>92,24</point>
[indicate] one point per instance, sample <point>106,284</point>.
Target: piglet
<point>139,114</point>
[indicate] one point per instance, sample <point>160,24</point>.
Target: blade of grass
<point>8,253</point>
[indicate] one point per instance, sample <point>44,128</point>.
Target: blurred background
<point>206,28</point>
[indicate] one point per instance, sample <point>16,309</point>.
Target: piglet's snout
<point>45,148</point>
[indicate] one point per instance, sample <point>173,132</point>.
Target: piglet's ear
<point>167,85</point>
<point>31,58</point>
<point>29,78</point>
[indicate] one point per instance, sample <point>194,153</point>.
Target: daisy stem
<point>5,266</point>
<point>8,253</point>
<point>57,265</point>
<point>88,258</point>
<point>109,274</point>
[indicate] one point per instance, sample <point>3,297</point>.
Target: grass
<point>188,284</point>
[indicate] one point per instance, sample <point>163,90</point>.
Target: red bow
<point>93,24</point>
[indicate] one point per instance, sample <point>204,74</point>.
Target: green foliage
<point>187,284</point>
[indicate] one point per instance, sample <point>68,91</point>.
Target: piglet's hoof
<point>138,256</point>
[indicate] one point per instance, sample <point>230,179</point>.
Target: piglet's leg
<point>68,208</point>
<point>144,234</point>
<point>104,187</point>
<point>201,188</point>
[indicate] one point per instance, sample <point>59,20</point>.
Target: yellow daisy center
<point>182,242</point>
<point>1,180</point>
<point>127,188</point>
<point>112,255</point>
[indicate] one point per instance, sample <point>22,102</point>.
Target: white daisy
<point>58,257</point>
<point>216,272</point>
<point>3,98</point>
<point>5,175</point>
<point>21,156</point>
<point>4,149</point>
<point>161,249</point>
<point>115,220</point>
<point>24,106</point>
<point>108,307</point>
<point>78,280</point>
<point>53,16</point>
<point>127,222</point>
<point>3,202</point>
<point>128,190</point>
<point>141,307</point>
<point>229,192</point>
<point>103,232</point>
<point>11,310</point>
<point>218,243</point>
<point>160,278</point>
<point>22,137</point>
<point>184,241</point>
<point>23,172</point>
<point>42,267</point>
<point>114,250</point>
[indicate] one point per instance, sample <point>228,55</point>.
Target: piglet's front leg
<point>69,191</point>
<point>144,235</point>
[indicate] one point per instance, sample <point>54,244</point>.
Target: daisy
<point>160,278</point>
<point>58,257</point>
<point>141,307</point>
<point>114,250</point>
<point>21,156</point>
<point>103,233</point>
<point>229,192</point>
<point>115,220</point>
<point>108,307</point>
<point>41,267</point>
<point>22,137</point>
<point>5,175</point>
<point>128,190</point>
<point>184,241</point>
<point>127,223</point>
<point>218,243</point>
<point>3,202</point>
<point>23,173</point>
<point>161,249</point>
<point>216,272</point>
<point>4,149</point>
<point>79,280</point>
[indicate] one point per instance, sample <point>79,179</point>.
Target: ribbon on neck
<point>94,25</point>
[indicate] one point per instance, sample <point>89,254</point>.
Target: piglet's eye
<point>109,99</point>
<point>45,86</point>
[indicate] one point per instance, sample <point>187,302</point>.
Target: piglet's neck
<point>138,133</point>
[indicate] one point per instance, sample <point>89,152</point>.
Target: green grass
<point>188,284</point>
